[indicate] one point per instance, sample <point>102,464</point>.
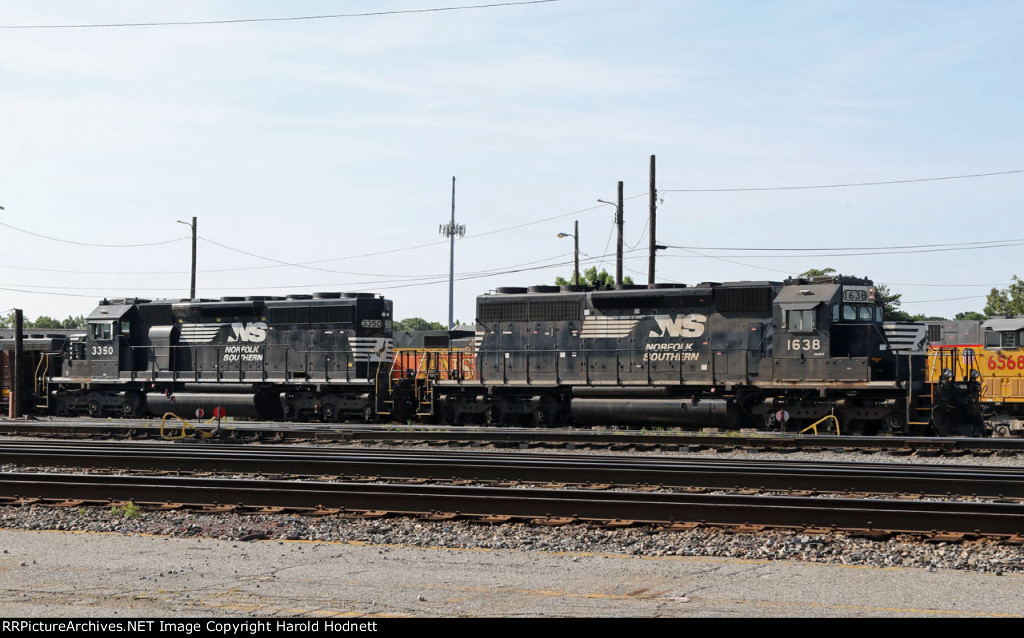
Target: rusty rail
<point>995,519</point>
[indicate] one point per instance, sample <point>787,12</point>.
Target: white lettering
<point>685,327</point>
<point>251,332</point>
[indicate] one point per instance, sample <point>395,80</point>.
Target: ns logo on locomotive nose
<point>248,332</point>
<point>680,327</point>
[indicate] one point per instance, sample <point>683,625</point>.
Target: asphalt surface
<point>89,575</point>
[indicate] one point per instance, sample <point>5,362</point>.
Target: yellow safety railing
<point>185,427</point>
<point>814,426</point>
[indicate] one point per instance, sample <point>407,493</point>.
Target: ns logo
<point>681,327</point>
<point>248,332</point>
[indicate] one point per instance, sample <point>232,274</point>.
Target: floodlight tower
<point>450,230</point>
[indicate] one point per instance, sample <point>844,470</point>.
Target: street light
<point>618,244</point>
<point>192,289</point>
<point>576,252</point>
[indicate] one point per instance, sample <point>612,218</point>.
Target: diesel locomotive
<point>759,354</point>
<point>298,357</point>
<point>768,355</point>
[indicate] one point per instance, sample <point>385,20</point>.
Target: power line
<point>91,245</point>
<point>863,254</point>
<point>949,299</point>
<point>285,19</point>
<point>761,249</point>
<point>794,188</point>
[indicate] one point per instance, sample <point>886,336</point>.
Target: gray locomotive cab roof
<point>1004,324</point>
<point>109,311</point>
<point>812,294</point>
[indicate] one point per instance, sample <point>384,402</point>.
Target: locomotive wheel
<point>94,407</point>
<point>894,423</point>
<point>368,414</point>
<point>541,418</point>
<point>329,411</point>
<point>289,411</point>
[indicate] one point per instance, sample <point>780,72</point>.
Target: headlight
<point>947,374</point>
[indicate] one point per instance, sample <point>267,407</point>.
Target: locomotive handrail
<point>220,372</point>
<point>814,426</point>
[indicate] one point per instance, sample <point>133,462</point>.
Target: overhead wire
<point>850,185</point>
<point>92,244</point>
<point>694,250</point>
<point>282,19</point>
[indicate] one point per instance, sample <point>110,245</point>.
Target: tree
<point>891,301</point>
<point>590,277</point>
<point>1008,302</point>
<point>815,272</point>
<point>416,323</point>
<point>970,315</point>
<point>43,322</point>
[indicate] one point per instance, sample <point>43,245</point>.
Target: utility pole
<point>451,230</point>
<point>576,252</point>
<point>192,287</point>
<point>14,408</point>
<point>618,247</point>
<point>653,244</point>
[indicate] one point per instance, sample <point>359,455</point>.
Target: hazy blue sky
<point>321,143</point>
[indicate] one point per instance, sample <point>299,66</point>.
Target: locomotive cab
<point>111,345</point>
<point>830,329</point>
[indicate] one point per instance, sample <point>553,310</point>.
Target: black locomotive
<point>298,357</point>
<point>758,354</point>
<point>742,354</point>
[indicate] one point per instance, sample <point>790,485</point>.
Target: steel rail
<point>923,517</point>
<point>668,472</point>
<point>520,436</point>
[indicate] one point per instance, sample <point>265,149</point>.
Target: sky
<point>318,154</point>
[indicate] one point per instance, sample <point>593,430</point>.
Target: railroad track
<point>593,471</point>
<point>494,504</point>
<point>522,438</point>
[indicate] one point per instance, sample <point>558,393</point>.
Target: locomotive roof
<point>109,311</point>
<point>810,294</point>
<point>624,291</point>
<point>1004,324</point>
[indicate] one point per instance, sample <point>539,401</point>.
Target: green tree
<point>590,277</point>
<point>1008,302</point>
<point>815,272</point>
<point>891,301</point>
<point>417,323</point>
<point>970,315</point>
<point>43,322</point>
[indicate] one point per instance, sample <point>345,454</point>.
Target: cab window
<point>861,312</point>
<point>103,331</point>
<point>800,319</point>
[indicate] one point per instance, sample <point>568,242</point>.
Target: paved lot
<point>61,574</point>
